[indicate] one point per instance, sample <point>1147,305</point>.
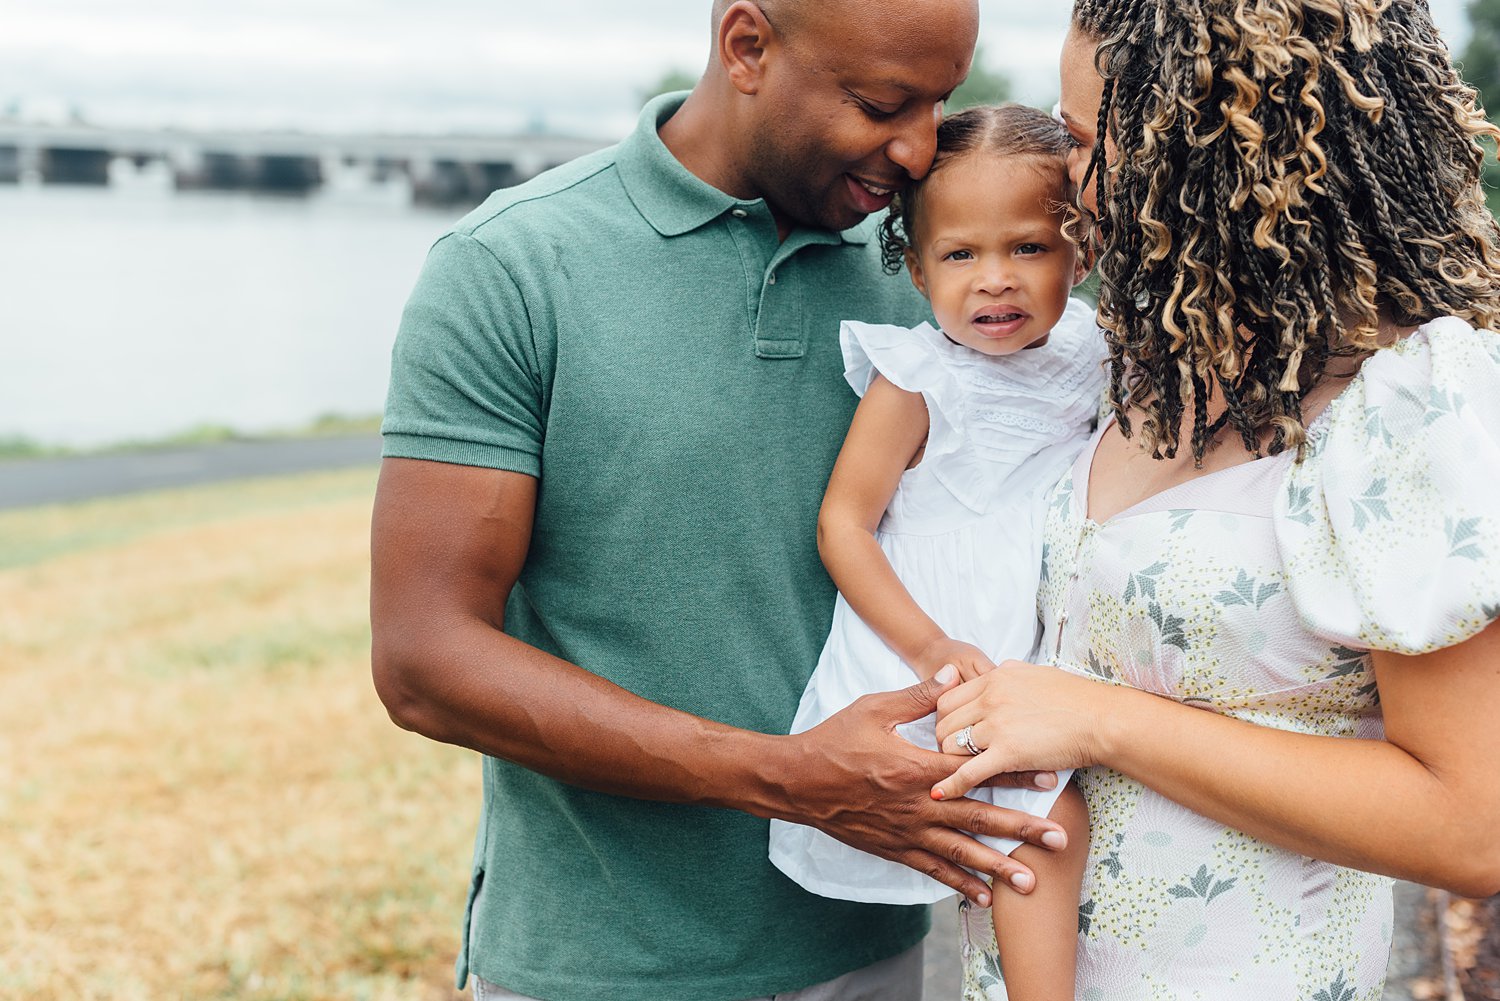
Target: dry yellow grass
<point>200,795</point>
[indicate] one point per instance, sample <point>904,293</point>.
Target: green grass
<point>202,796</point>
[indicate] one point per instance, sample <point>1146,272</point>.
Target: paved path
<point>29,482</point>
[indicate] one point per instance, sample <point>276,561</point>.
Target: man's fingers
<point>1043,781</point>
<point>976,890</point>
<point>920,699</point>
<point>999,822</point>
<point>960,850</point>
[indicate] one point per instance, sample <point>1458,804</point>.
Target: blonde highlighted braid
<point>1288,171</point>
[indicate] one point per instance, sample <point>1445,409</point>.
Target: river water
<point>135,312</point>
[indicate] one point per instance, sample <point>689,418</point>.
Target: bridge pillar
<point>289,174</point>
<point>75,166</point>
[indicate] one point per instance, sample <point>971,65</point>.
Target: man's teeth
<point>874,189</point>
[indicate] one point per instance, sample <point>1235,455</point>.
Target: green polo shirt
<point>670,371</point>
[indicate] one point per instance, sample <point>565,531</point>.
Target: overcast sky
<point>572,66</point>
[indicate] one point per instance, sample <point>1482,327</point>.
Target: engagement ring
<point>965,740</point>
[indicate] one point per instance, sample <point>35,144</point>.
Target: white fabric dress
<point>1259,592</point>
<point>963,533</point>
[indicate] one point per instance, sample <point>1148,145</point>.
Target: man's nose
<point>913,148</point>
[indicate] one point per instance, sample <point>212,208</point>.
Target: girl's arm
<point>889,428</point>
<point>1422,804</point>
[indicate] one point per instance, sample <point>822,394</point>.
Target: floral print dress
<point>1258,592</point>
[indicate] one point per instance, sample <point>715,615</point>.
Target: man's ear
<point>745,36</point>
<point>914,268</point>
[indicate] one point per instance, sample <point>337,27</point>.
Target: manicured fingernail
<point>945,674</point>
<point>983,900</point>
<point>1046,780</point>
<point>1021,880</point>
<point>1055,839</point>
<point>937,793</point>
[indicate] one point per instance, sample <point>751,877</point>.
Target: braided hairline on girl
<point>1286,170</point>
<point>999,130</point>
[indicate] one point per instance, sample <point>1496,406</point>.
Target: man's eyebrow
<point>901,85</point>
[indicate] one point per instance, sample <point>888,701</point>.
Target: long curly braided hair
<point>1287,172</point>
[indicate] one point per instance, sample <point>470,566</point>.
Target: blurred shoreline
<point>63,479</point>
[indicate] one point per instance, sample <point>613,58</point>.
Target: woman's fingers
<point>950,723</point>
<point>974,772</point>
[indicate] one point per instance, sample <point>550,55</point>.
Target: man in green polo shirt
<point>615,402</point>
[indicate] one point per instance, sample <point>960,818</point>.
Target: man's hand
<point>854,778</point>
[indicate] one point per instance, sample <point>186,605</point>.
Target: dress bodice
<point>999,429</point>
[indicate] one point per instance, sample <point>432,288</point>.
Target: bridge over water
<point>438,168</point>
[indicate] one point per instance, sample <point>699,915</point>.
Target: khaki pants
<point>896,979</point>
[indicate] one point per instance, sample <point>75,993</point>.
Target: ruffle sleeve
<point>989,417</point>
<point>910,359</point>
<point>1390,527</point>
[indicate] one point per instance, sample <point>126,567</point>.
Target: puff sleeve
<point>1390,526</point>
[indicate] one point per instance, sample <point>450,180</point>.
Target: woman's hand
<point>971,661</point>
<point>1025,718</point>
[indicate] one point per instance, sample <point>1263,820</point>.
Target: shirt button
<point>738,213</point>
<point>771,280</point>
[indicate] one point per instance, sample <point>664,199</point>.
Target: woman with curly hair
<point>1272,580</point>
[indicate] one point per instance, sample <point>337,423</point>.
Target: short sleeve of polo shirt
<point>465,382</point>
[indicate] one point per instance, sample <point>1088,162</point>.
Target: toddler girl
<point>931,525</point>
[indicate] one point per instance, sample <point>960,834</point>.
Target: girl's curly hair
<point>997,130</point>
<point>1287,171</point>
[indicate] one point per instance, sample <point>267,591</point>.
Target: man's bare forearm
<point>481,689</point>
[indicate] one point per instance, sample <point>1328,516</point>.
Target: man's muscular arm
<point>448,543</point>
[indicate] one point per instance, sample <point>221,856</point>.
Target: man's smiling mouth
<point>877,190</point>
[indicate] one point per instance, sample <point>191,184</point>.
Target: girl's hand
<point>971,661</point>
<point>1025,718</point>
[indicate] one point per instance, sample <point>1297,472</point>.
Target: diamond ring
<point>965,740</point>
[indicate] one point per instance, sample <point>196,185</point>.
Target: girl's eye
<point>958,255</point>
<point>1028,249</point>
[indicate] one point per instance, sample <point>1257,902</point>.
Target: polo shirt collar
<point>673,199</point>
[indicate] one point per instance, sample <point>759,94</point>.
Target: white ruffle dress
<point>1259,592</point>
<point>963,533</point>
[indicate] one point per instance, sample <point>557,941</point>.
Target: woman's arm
<point>1423,804</point>
<point>890,426</point>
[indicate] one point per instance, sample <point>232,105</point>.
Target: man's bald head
<point>826,107</point>
<point>786,16</point>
